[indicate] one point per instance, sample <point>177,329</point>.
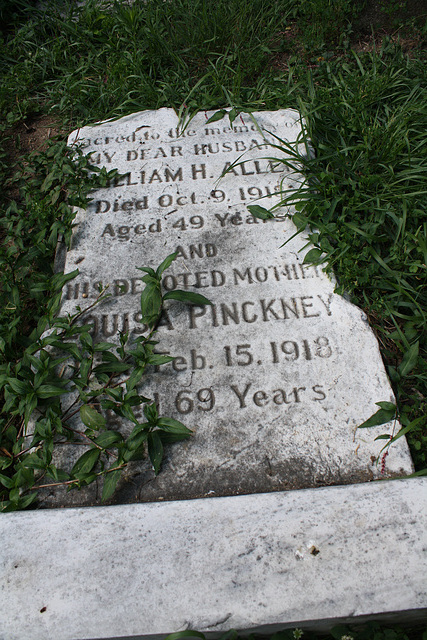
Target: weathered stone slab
<point>275,376</point>
<point>309,558</point>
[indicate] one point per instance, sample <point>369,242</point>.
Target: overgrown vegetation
<point>366,115</point>
<point>366,201</point>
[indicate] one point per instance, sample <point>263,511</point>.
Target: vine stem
<point>68,482</point>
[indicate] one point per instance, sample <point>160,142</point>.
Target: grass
<point>367,200</point>
<point>363,95</point>
<point>365,114</point>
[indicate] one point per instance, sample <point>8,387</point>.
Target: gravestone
<point>275,376</point>
<point>273,379</point>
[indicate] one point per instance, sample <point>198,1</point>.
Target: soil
<point>29,135</point>
<point>376,22</point>
<point>376,15</point>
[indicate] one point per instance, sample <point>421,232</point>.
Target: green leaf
<point>110,482</point>
<point>149,279</point>
<point>151,413</point>
<point>155,450</point>
<point>232,115</point>
<point>388,406</point>
<point>30,405</point>
<point>18,386</point>
<point>86,340</point>
<point>86,463</point>
<point>108,438</point>
<point>217,116</point>
<point>116,394</point>
<point>27,500</point>
<point>173,426</point>
<point>404,430</point>
<point>393,374</point>
<point>186,296</point>
<point>33,461</point>
<point>103,346</point>
<point>260,212</point>
<point>339,631</point>
<point>91,417</point>
<point>14,494</point>
<point>166,263</point>
<point>423,472</point>
<point>59,475</point>
<point>136,440</point>
<point>158,359</point>
<point>170,438</point>
<point>148,270</point>
<point>6,482</point>
<point>50,390</point>
<point>126,411</point>
<point>151,304</point>
<point>109,357</point>
<point>111,367</point>
<point>135,377</point>
<point>314,256</point>
<point>409,359</point>
<point>380,417</point>
<point>69,347</point>
<point>299,220</point>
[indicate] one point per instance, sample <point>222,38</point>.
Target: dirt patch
<point>29,135</point>
<point>401,22</point>
<point>374,41</point>
<point>390,16</point>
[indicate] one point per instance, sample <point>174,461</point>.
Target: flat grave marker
<point>274,376</point>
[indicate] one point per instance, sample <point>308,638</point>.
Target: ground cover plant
<point>361,92</point>
<point>358,75</point>
<point>365,114</point>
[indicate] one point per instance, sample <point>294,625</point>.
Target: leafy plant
<point>364,201</point>
<point>365,116</point>
<point>64,374</point>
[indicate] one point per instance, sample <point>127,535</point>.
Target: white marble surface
<point>277,374</point>
<point>241,562</point>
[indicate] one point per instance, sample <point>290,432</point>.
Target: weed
<point>63,374</point>
<point>365,203</point>
<point>365,199</point>
<point>365,115</point>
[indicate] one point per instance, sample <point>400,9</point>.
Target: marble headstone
<point>277,374</point>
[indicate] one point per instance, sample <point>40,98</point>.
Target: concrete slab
<point>312,558</point>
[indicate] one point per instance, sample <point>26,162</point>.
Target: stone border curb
<point>313,558</point>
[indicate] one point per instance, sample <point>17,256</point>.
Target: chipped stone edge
<point>244,562</point>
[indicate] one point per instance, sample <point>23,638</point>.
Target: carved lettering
<point>270,345</point>
<point>261,398</point>
<point>197,251</point>
<point>266,310</point>
<point>196,170</point>
<point>159,176</point>
<point>241,394</point>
